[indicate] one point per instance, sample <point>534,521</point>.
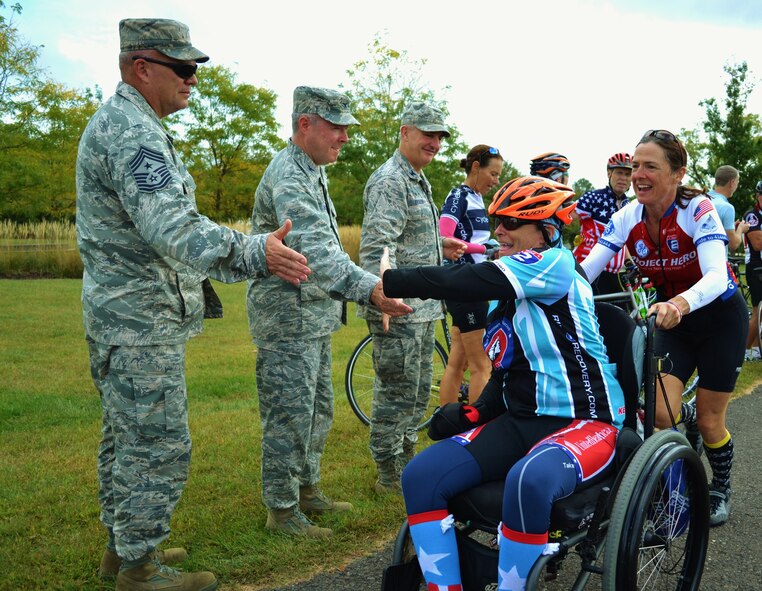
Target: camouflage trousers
<point>296,409</point>
<point>145,449</point>
<point>402,363</point>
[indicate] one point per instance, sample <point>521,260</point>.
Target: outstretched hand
<point>452,248</point>
<point>282,261</point>
<point>388,306</point>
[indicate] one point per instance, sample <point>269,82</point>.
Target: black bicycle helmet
<point>549,165</point>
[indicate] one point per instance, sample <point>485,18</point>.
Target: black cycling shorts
<point>711,340</point>
<point>468,316</point>
<point>506,439</point>
<point>754,281</point>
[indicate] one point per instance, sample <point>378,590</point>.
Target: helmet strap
<point>555,240</point>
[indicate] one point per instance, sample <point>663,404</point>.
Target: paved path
<point>734,561</point>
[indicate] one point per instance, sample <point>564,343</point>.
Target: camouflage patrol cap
<point>328,104</point>
<point>425,117</point>
<point>171,38</point>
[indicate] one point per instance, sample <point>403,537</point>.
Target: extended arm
<point>447,230</point>
<point>464,283</point>
<point>596,261</point>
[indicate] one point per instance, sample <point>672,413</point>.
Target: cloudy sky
<point>580,77</point>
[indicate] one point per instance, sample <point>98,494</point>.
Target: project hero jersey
<point>672,264</point>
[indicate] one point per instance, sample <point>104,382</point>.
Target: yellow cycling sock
<point>720,443</point>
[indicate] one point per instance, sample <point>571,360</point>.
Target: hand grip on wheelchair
<point>451,419</point>
<point>631,274</point>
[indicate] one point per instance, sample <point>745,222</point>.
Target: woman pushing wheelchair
<point>548,418</point>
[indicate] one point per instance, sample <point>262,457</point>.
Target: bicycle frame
<point>638,300</point>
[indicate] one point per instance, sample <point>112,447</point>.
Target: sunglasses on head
<point>661,134</point>
<point>487,154</point>
<point>513,223</point>
<point>184,71</point>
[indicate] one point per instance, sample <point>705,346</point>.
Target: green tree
<point>582,186</point>
<point>18,78</point>
<point>229,134</point>
<point>40,125</point>
<point>730,136</point>
<point>380,86</point>
<point>64,113</point>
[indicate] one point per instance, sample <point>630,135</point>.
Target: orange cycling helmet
<point>534,198</point>
<point>549,165</point>
<point>620,160</point>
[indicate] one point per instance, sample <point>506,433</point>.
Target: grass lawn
<point>50,536</point>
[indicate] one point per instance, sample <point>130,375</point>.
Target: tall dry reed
<point>49,249</point>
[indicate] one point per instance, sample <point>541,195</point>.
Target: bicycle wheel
<point>659,527</point>
<point>359,377</point>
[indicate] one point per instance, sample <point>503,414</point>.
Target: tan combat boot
<point>153,576</point>
<point>293,522</point>
<point>111,562</point>
<point>313,501</point>
<point>388,478</point>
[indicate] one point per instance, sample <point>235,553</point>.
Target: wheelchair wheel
<point>403,550</point>
<point>359,377</point>
<point>404,572</point>
<point>659,526</point>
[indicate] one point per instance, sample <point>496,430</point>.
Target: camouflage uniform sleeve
<point>157,193</point>
<point>315,235</point>
<point>384,221</point>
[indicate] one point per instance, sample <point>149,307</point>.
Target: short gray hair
<point>295,120</point>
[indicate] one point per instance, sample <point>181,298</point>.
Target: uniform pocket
<point>310,292</point>
<point>149,385</point>
<point>389,356</point>
<point>161,406</point>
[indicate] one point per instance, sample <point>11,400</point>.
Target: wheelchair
<point>644,525</point>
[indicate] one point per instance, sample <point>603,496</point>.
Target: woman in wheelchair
<point>676,238</point>
<point>548,418</point>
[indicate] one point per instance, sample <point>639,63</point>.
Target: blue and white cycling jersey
<point>557,363</point>
<point>466,208</point>
<point>548,357</point>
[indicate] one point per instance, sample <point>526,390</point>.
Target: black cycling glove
<point>451,419</point>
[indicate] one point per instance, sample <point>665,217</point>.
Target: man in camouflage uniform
<point>292,325</point>
<point>400,213</point>
<point>146,252</point>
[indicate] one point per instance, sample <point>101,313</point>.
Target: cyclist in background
<point>594,210</point>
<point>726,179</point>
<point>464,217</point>
<point>753,242</point>
<point>675,237</point>
<point>551,165</point>
<point>549,416</point>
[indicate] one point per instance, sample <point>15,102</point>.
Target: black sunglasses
<point>513,223</point>
<point>661,134</point>
<point>184,71</point>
